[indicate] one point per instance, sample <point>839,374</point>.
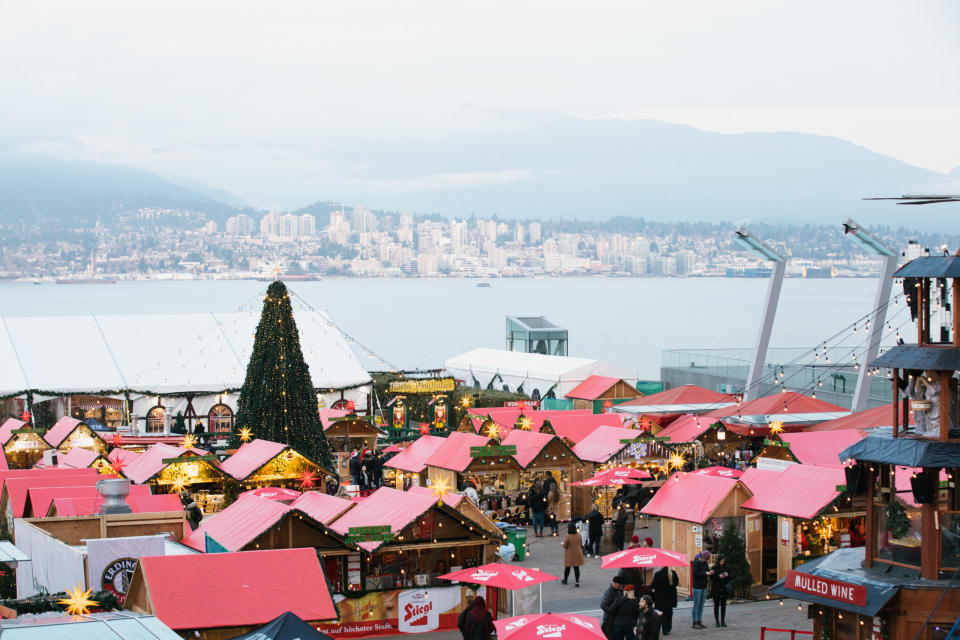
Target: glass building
<point>536,335</point>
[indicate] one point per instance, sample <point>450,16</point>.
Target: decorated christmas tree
<point>734,549</point>
<point>277,400</point>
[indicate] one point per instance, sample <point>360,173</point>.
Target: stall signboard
<point>493,451</point>
<point>210,458</point>
<point>428,385</point>
<point>846,592</point>
<point>523,404</point>
<point>645,440</point>
<point>381,613</point>
<point>382,533</point>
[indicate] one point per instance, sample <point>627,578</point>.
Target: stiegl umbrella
<point>549,626</point>
<point>615,476</point>
<point>500,575</point>
<point>643,557</point>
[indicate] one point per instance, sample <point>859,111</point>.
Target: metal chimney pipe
<point>114,492</point>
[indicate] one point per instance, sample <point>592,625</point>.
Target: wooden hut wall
<point>75,530</point>
<point>286,466</point>
<point>294,532</point>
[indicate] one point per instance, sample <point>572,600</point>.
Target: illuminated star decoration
<point>307,480</point>
<point>776,427</point>
<point>78,601</point>
<point>25,416</point>
<point>465,401</point>
<point>114,467</point>
<point>424,428</point>
<point>188,441</point>
<point>351,407</point>
<point>493,431</point>
<point>645,423</point>
<point>523,423</point>
<point>440,490</point>
<point>179,484</point>
<point>245,434</point>
<point>676,461</point>
<point>117,440</point>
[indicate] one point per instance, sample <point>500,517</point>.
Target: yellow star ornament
<point>245,434</point>
<point>188,441</point>
<point>440,490</point>
<point>79,602</point>
<point>676,461</point>
<point>493,431</point>
<point>776,427</point>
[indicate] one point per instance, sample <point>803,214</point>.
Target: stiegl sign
<point>845,592</point>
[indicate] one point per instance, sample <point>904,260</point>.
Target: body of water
<point>420,322</point>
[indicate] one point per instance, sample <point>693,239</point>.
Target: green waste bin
<point>517,536</point>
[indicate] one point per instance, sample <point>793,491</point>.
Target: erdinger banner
<point>398,611</point>
<point>111,561</point>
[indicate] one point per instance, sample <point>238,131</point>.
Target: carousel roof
<point>250,457</point>
<point>151,462</point>
<point>18,488</point>
<point>800,491</point>
<point>40,498</point>
<point>147,503</point>
<point>454,452</point>
<point>603,443</point>
<point>681,399</point>
<point>8,427</point>
<point>322,507</point>
<point>413,458</point>
<point>781,406</point>
<point>60,430</point>
<point>821,448</point>
<point>236,589</point>
<point>385,506</point>
<point>201,352</point>
<point>689,497</point>
<point>867,419</point>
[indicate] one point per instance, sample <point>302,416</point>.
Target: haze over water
<point>417,323</point>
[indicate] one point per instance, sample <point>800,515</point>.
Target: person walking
<point>719,582</point>
<point>620,527</point>
<point>553,504</point>
<point>664,588</point>
<point>648,627</point>
<point>475,622</point>
<point>625,611</point>
<point>595,522</point>
<point>572,554</point>
<point>700,574</point>
<point>610,595</point>
<point>538,505</point>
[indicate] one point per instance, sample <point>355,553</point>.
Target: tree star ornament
<point>245,434</point>
<point>776,427</point>
<point>307,480</point>
<point>78,601</point>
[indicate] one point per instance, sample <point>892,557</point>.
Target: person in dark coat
<point>606,602</point>
<point>620,527</point>
<point>664,588</point>
<point>194,514</point>
<point>718,589</point>
<point>648,627</point>
<point>538,506</point>
<point>377,469</point>
<point>595,522</point>
<point>634,576</point>
<point>624,610</point>
<point>355,467</point>
<point>475,622</point>
<point>700,574</point>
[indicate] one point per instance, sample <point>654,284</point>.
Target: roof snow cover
<point>532,370</point>
<point>199,352</point>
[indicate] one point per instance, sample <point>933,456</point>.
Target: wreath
<point>898,524</point>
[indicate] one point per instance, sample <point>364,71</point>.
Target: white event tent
<point>535,372</point>
<point>143,356</point>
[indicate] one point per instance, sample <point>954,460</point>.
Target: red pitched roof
<point>321,507</point>
<point>822,447</point>
<point>866,419</point>
<point>454,452</point>
<point>592,388</point>
<point>250,457</point>
<point>414,458</point>
<point>17,488</point>
<point>686,428</point>
<point>385,506</point>
<point>329,416</point>
<point>76,458</point>
<point>686,394</point>
<point>39,498</point>
<point>151,462</point>
<point>506,417</point>
<point>576,428</point>
<point>789,402</point>
<point>800,491</point>
<point>236,589</point>
<point>239,524</point>
<point>689,497</point>
<point>603,443</point>
<point>451,499</point>
<point>60,430</point>
<point>43,473</point>
<point>163,502</point>
<point>529,444</point>
<point>8,427</point>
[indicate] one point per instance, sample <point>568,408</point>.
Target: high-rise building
<point>518,233</point>
<point>535,231</point>
<point>458,235</point>
<point>239,225</point>
<point>685,261</point>
<point>308,225</point>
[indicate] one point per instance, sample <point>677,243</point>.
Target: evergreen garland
<point>898,524</point>
<point>277,400</point>
<point>734,549</point>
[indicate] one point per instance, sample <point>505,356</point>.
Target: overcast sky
<point>246,96</point>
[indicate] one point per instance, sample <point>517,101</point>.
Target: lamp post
<point>871,244</point>
<point>761,250</point>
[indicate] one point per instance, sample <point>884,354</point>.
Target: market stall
<point>542,454</point>
<point>409,467</point>
<point>262,463</point>
<point>25,447</point>
<point>68,433</point>
<point>78,458</point>
<point>171,469</point>
<point>799,515</point>
<point>347,434</point>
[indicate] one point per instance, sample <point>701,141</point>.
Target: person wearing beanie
<point>625,610</point>
<point>634,542</point>
<point>610,595</point>
<point>648,542</point>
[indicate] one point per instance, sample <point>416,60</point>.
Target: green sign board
<point>210,458</point>
<point>380,533</point>
<point>645,440</point>
<point>493,451</point>
<point>776,443</point>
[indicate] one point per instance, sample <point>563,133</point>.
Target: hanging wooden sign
<point>493,451</point>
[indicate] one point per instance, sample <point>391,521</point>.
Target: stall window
<point>220,419</point>
<point>899,537</point>
<point>155,419</point>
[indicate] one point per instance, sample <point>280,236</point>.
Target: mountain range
<point>544,167</point>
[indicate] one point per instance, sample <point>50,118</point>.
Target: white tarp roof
<point>202,352</point>
<point>533,370</point>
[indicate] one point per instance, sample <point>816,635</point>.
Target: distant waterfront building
<point>289,225</point>
<point>914,250</point>
<point>535,232</point>
<point>458,236</point>
<point>518,233</point>
<point>239,225</point>
<point>568,244</point>
<point>685,261</point>
<point>308,225</point>
<point>210,227</point>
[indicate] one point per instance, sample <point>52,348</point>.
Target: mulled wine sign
<point>846,592</point>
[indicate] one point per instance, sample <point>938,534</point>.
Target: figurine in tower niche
<point>919,403</point>
<point>925,400</point>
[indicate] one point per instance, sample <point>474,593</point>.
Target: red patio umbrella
<point>552,626</point>
<point>720,472</point>
<point>500,575</point>
<point>644,557</point>
<point>273,493</point>
<point>615,476</point>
